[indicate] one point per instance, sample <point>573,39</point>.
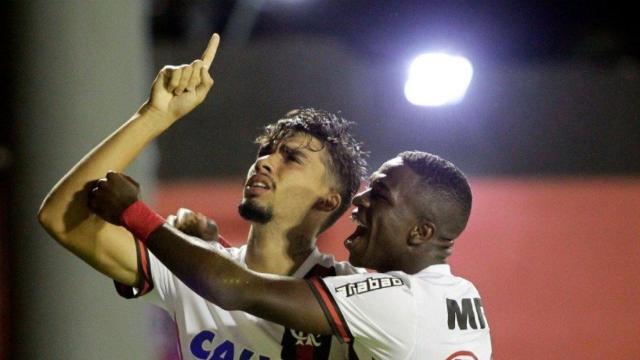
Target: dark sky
<point>558,125</point>
<point>503,32</point>
<point>500,32</point>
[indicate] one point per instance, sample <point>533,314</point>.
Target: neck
<point>421,264</point>
<point>277,251</point>
<point>432,262</point>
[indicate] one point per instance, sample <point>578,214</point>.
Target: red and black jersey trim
<point>145,282</point>
<point>331,309</point>
<point>297,345</point>
<point>315,347</point>
<point>224,242</point>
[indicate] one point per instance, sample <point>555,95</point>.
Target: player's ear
<point>421,233</point>
<point>329,202</point>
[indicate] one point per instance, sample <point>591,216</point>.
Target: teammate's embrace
<point>307,169</point>
<point>408,218</point>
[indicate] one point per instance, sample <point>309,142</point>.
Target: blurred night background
<point>548,132</point>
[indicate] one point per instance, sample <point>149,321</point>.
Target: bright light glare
<point>438,79</point>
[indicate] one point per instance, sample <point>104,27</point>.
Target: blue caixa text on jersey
<point>201,348</point>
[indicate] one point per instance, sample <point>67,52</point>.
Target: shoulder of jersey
<point>342,267</point>
<point>235,252</point>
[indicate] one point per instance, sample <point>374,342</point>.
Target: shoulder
<point>345,268</point>
<point>437,281</point>
<point>378,283</point>
<point>341,267</point>
<point>376,308</point>
<point>237,252</point>
<point>234,252</point>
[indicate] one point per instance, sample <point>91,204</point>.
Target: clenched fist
<point>194,224</point>
<point>112,195</point>
<point>179,89</point>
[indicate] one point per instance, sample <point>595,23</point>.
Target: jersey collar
<point>306,265</point>
<point>302,270</point>
<point>442,269</point>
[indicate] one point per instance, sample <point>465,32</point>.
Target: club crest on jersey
<point>303,338</point>
<point>371,284</point>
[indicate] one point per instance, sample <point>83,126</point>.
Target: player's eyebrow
<point>380,185</point>
<point>296,151</point>
<point>375,180</point>
<point>266,148</point>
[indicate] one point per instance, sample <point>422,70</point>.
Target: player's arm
<point>64,213</point>
<point>212,275</point>
<point>219,279</point>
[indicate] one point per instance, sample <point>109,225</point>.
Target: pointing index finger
<point>210,51</point>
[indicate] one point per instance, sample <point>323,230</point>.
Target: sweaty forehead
<point>302,141</point>
<point>395,175</point>
<point>387,170</point>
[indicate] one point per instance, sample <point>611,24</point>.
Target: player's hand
<point>194,224</point>
<point>179,89</point>
<point>112,195</point>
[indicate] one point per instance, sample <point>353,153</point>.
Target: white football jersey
<point>207,331</point>
<point>428,315</point>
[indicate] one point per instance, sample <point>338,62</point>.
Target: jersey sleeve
<point>155,279</point>
<point>145,282</point>
<point>376,310</point>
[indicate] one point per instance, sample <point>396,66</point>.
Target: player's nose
<point>264,165</point>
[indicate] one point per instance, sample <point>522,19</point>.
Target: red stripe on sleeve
<point>224,242</point>
<point>145,282</point>
<point>145,287</point>
<point>333,314</point>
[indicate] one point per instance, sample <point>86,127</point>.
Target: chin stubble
<point>251,211</point>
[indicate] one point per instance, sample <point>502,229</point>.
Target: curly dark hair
<point>346,157</point>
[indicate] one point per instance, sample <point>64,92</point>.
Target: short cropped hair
<point>443,177</point>
<point>347,162</point>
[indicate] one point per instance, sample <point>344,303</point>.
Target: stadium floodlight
<point>437,79</point>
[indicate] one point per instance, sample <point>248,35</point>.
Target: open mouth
<point>257,185</point>
<point>358,233</point>
<point>355,238</point>
<point>255,190</point>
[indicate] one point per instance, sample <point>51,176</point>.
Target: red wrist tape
<point>140,220</point>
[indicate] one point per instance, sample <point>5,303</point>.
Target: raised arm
<point>64,214</point>
<point>212,275</point>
